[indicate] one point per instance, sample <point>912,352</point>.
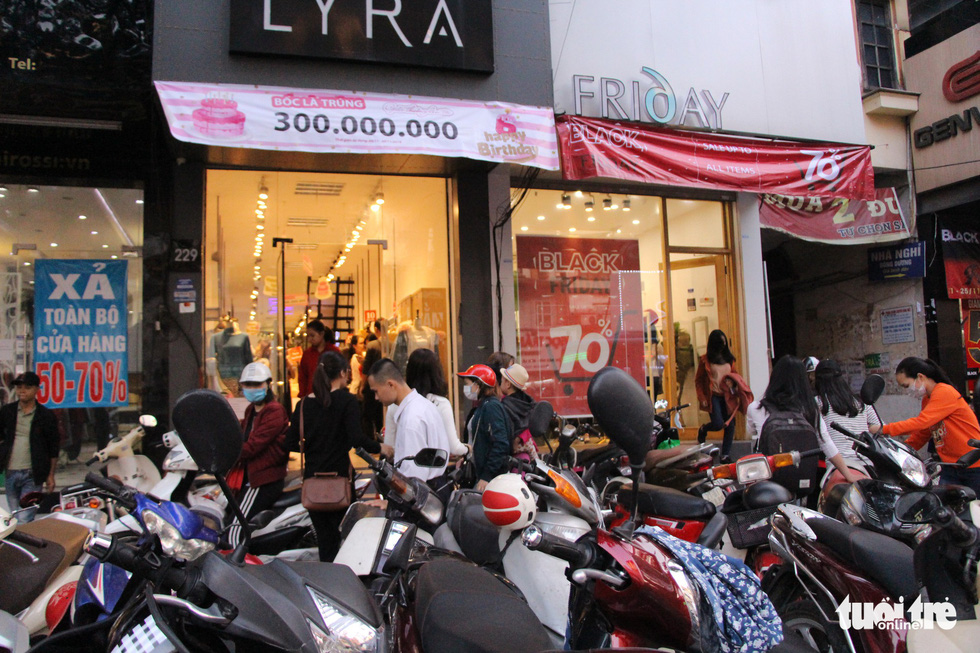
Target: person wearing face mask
<point>264,455</point>
<point>945,418</point>
<point>489,429</point>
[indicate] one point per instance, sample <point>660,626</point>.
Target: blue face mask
<point>255,395</point>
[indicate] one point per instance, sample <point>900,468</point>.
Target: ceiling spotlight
<point>614,205</point>
<point>607,204</point>
<point>139,201</point>
<point>626,204</point>
<point>54,244</point>
<point>375,207</point>
<point>566,201</point>
<point>263,193</point>
<point>591,218</point>
<point>379,198</point>
<point>590,204</point>
<point>578,193</point>
<point>3,189</point>
<point>636,222</point>
<point>572,229</point>
<point>358,228</point>
<point>105,247</point>
<point>113,256</point>
<point>540,217</point>
<point>94,233</point>
<point>33,189</point>
<point>27,263</point>
<point>619,231</point>
<point>524,228</point>
<point>260,227</point>
<point>83,217</point>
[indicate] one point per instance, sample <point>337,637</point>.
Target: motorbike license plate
<point>715,495</point>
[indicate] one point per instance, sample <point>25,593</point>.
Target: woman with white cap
<point>264,455</point>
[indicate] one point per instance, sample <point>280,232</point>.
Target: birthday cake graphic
<point>219,117</point>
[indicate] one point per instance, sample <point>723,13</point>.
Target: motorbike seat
<point>478,539</point>
<point>461,607</point>
<point>667,502</point>
<point>21,582</point>
<point>261,519</point>
<point>286,500</point>
<point>882,558</point>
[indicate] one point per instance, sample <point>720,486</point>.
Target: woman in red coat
<point>717,363</point>
<point>264,454</point>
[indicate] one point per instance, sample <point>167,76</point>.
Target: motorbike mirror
<point>970,458</point>
<point>539,419</point>
<point>622,408</point>
<point>209,429</point>
<point>431,458</point>
<point>917,507</point>
<point>398,560</point>
<point>872,388</point>
<point>148,421</point>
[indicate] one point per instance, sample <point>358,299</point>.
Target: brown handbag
<point>322,492</point>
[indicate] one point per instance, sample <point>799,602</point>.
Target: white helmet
<point>256,373</point>
<point>508,503</point>
<point>810,363</point>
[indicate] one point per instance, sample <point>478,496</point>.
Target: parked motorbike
<point>123,464</point>
<point>41,562</point>
<point>213,602</point>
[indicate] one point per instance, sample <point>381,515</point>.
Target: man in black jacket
<point>29,442</point>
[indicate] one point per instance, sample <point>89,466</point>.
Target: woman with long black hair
<point>945,418</point>
<point>789,391</point>
<point>716,363</point>
<point>837,404</point>
<point>331,427</point>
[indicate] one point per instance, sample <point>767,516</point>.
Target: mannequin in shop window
<point>413,335</point>
<point>234,352</point>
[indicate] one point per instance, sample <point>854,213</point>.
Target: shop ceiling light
<point>607,204</point>
<point>263,193</point>
<point>578,193</point>
<point>626,204</point>
<point>636,222</point>
<point>566,201</point>
<point>379,198</point>
<point>33,189</point>
<point>83,217</point>
<point>590,204</point>
<point>260,227</point>
<point>139,201</point>
<point>619,231</point>
<point>94,233</point>
<point>540,217</point>
<point>375,207</point>
<point>27,263</point>
<point>524,228</point>
<point>572,229</point>
<point>591,218</point>
<point>54,244</point>
<point>614,205</point>
<point>105,247</point>
<point>3,189</point>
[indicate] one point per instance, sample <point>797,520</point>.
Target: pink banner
<point>305,120</point>
<point>594,147</point>
<point>580,310</point>
<point>838,221</point>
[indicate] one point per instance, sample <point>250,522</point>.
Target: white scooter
<point>132,469</point>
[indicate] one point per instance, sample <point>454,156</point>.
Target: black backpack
<point>786,431</point>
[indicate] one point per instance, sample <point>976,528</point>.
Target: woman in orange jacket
<point>945,417</point>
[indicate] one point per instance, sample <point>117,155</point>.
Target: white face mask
<point>916,390</point>
<point>469,391</point>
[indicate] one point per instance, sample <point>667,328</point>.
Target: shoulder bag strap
<point>302,440</point>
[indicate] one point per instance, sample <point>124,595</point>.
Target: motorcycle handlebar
<point>522,465</point>
<point>577,555</point>
<point>840,429</point>
<point>962,534</point>
<point>974,443</point>
<point>369,459</point>
<point>127,556</point>
<point>29,540</point>
<point>113,487</point>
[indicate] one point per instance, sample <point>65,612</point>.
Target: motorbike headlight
<point>170,539</point>
<point>852,506</point>
<point>752,469</point>
<point>913,468</point>
<point>345,632</point>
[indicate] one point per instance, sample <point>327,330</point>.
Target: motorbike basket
<point>751,527</point>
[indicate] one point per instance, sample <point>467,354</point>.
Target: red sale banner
<point>971,339</point>
<point>961,255</point>
<point>580,310</point>
<point>593,147</point>
<point>839,221</point>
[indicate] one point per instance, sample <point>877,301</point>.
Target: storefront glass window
<point>593,290</point>
<point>71,223</point>
<point>364,248</point>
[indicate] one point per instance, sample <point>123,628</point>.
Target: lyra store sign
<point>648,98</point>
<point>452,34</point>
